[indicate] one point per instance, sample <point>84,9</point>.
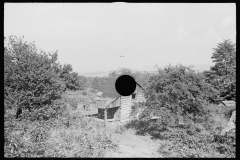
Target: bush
<point>180,92</point>
<point>195,145</point>
<point>198,137</point>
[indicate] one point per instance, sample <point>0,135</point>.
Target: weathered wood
<point>126,110</point>
<point>105,115</point>
<point>125,116</point>
<point>126,103</point>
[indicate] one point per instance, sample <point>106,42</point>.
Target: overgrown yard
<point>45,108</point>
<point>72,135</point>
<point>69,135</point>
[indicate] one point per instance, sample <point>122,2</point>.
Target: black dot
<point>125,85</point>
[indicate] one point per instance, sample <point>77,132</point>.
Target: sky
<point>96,38</point>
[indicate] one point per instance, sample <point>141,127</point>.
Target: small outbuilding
<point>118,108</point>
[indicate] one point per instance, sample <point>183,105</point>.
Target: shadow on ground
<point>146,128</point>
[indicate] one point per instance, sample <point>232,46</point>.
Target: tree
<point>97,82</point>
<point>83,82</point>
<point>178,89</point>
<point>112,74</point>
<point>223,74</point>
<point>70,78</point>
<point>30,76</point>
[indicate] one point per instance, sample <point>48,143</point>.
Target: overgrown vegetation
<point>35,82</point>
<point>223,74</point>
<point>30,76</point>
<point>188,122</point>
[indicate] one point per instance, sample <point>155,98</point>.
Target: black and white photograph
<point>119,80</point>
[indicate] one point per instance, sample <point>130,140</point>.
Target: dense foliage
<point>70,78</point>
<point>69,136</point>
<point>30,77</point>
<point>199,139</point>
<point>35,82</point>
<point>223,74</point>
<point>179,89</point>
<point>187,124</point>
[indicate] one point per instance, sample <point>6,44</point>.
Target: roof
<point>98,99</point>
<point>108,88</point>
<point>106,102</point>
<point>139,83</point>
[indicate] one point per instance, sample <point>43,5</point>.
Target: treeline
<point>33,78</point>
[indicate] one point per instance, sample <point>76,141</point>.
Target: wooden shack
<point>118,108</point>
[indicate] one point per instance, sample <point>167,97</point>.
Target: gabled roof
<point>139,83</point>
<point>108,88</point>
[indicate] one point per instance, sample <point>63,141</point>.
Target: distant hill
<point>148,69</point>
<point>95,74</point>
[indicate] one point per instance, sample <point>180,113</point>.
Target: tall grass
<point>69,135</point>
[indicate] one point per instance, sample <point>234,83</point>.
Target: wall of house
<point>127,101</point>
<point>140,97</point>
<point>112,113</point>
<point>139,94</point>
<point>126,107</point>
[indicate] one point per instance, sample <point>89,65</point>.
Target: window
<point>133,95</point>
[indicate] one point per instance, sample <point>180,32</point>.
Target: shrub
<point>195,145</point>
<point>179,89</point>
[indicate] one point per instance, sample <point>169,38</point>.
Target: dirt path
<point>131,145</point>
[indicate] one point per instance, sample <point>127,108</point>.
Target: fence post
<point>105,115</point>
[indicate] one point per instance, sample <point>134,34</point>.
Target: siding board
<point>126,113</point>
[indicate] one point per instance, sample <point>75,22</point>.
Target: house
<point>118,108</point>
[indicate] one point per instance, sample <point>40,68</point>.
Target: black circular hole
<point>125,85</point>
